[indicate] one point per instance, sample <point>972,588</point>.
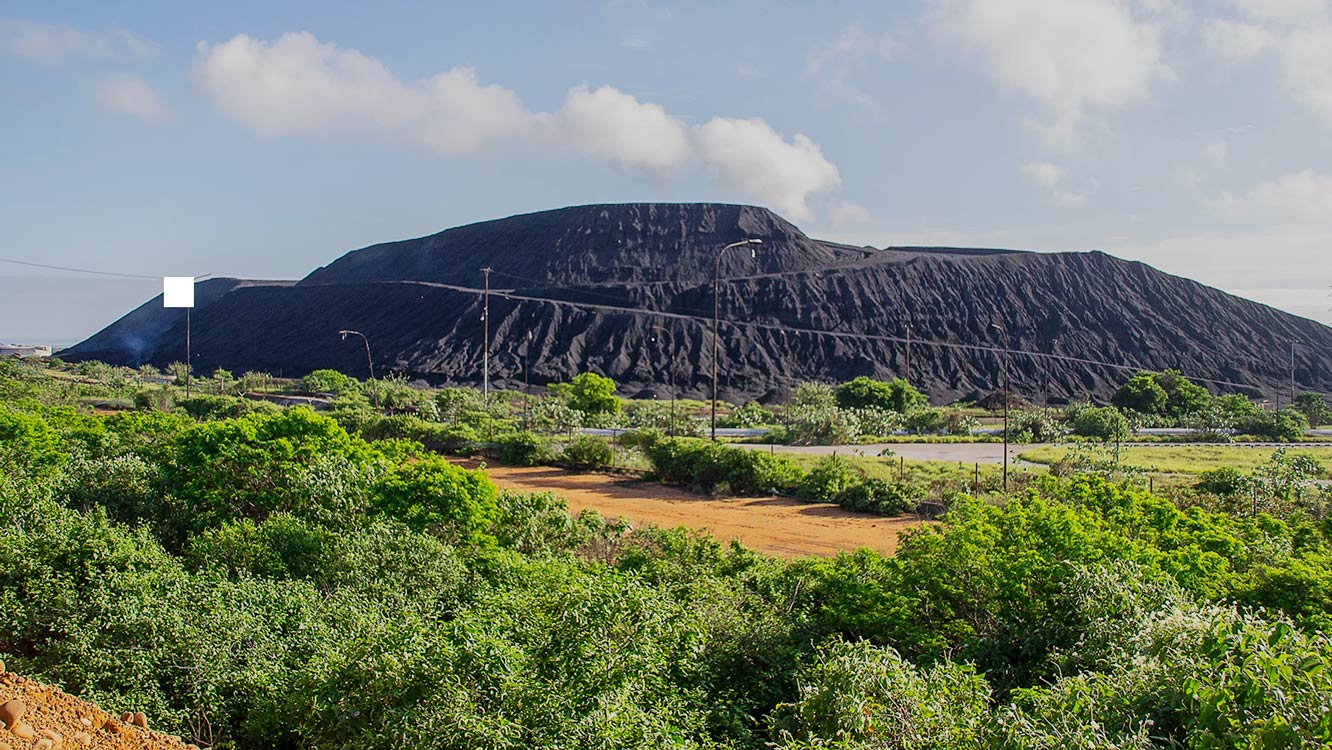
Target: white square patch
<point>178,291</point>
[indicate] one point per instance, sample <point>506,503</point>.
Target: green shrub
<point>435,436</point>
<point>896,395</point>
<point>329,381</point>
<point>1226,481</point>
<point>881,497</point>
<point>523,449</point>
<point>925,421</point>
<point>1314,408</point>
<point>642,439</point>
<point>588,452</point>
<point>32,445</point>
<point>710,467</point>
<point>1102,422</point>
<point>751,414</point>
<point>433,494</point>
<point>1034,427</point>
<point>867,696</point>
<point>593,394</point>
<point>1285,426</point>
<point>245,467</point>
<point>829,478</point>
<point>207,407</point>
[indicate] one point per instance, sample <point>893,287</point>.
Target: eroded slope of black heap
<point>579,280</point>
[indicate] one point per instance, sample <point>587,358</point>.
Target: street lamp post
<point>1004,353</point>
<point>716,318</point>
<point>374,389</point>
<point>527,383</point>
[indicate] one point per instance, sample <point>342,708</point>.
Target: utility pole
<point>1292,374</point>
<point>527,384</point>
<point>189,365</point>
<point>716,318</point>
<point>485,344</point>
<point>1004,354</point>
<point>908,354</point>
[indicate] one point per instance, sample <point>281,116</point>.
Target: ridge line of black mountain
<point>1095,305</point>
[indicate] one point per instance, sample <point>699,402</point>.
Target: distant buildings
<point>24,350</point>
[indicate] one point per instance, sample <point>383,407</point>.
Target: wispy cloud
<point>1304,197</point>
<point>133,96</point>
<point>298,85</point>
<point>1073,58</point>
<point>1053,178</point>
<point>847,213</point>
<point>835,64</point>
<point>49,43</point>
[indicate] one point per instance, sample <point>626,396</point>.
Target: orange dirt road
<point>774,525</point>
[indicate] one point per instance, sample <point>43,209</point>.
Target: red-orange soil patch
<point>775,525</point>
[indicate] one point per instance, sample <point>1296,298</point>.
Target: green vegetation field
<point>257,577</point>
<point>1187,459</point>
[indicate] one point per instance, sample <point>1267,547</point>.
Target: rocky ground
<point>34,716</point>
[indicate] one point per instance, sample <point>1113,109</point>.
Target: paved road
<point>967,453</point>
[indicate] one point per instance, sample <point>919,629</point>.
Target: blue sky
<point>265,139</point>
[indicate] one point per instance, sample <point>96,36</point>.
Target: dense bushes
<point>896,395</point>
<point>829,478</point>
<point>1101,422</point>
<point>709,467</point>
<point>318,591</point>
<point>1287,425</point>
<point>881,497</point>
<point>588,452</point>
<point>331,382</point>
<point>435,436</point>
<point>433,494</point>
<point>523,449</point>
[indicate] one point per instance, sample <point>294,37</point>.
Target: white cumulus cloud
<point>298,85</point>
<point>51,43</point>
<point>133,96</point>
<point>752,157</point>
<point>1073,57</point>
<point>607,123</point>
<point>1052,178</point>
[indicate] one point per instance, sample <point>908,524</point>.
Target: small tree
<point>897,395</point>
<point>178,371</point>
<point>814,396</point>
<point>253,380</point>
<point>1141,394</point>
<point>1102,422</point>
<point>1183,396</point>
<point>593,394</point>
<point>329,381</point>
<point>1314,407</point>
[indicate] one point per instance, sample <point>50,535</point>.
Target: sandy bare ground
<point>774,525</point>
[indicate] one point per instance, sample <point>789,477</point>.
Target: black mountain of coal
<point>627,291</point>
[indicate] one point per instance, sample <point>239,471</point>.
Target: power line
<point>707,321</point>
<point>78,270</point>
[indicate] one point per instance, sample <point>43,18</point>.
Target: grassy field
<point>938,474</point>
<point>1187,459</point>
